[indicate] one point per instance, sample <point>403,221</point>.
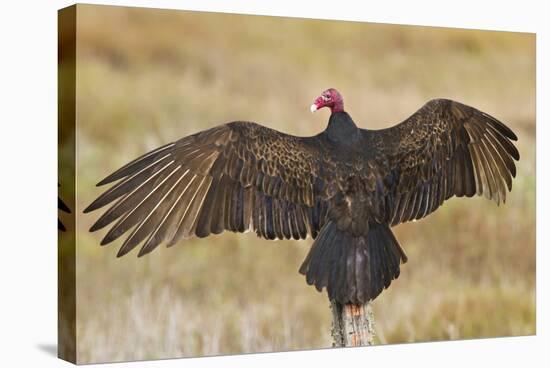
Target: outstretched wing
<point>445,149</point>
<point>238,176</point>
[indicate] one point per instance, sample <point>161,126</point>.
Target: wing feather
<point>445,149</point>
<point>239,176</point>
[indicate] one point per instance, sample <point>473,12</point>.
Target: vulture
<point>344,187</point>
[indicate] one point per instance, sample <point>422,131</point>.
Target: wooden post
<point>352,324</point>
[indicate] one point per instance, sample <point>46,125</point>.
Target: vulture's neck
<point>342,129</point>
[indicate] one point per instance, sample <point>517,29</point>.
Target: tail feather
<point>353,269</point>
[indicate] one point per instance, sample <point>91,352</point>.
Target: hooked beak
<point>317,104</point>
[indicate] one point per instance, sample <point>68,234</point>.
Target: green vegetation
<point>147,77</point>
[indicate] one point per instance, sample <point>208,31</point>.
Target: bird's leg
<point>352,324</point>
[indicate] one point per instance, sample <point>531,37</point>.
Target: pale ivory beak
<point>313,108</point>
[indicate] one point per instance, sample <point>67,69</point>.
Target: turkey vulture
<point>344,187</point>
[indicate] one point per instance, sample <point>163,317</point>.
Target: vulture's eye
<point>325,97</point>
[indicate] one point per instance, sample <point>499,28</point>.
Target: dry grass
<point>147,77</point>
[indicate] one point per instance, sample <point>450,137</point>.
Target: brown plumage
<point>344,187</point>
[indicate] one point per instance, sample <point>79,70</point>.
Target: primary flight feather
<point>345,187</point>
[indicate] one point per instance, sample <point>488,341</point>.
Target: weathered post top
<point>352,324</point>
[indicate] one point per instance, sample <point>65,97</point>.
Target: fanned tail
<point>353,269</point>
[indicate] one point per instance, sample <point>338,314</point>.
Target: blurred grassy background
<point>148,77</point>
